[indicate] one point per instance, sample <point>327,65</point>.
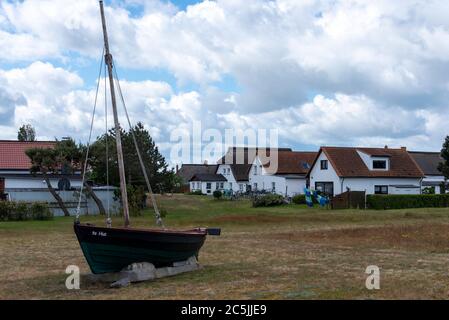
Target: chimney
<point>386,147</point>
<point>177,168</point>
<point>205,162</point>
<point>404,148</point>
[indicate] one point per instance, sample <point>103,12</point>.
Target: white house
<point>207,183</point>
<point>15,169</point>
<point>187,171</point>
<point>237,163</point>
<point>287,176</point>
<point>373,170</point>
<point>235,166</point>
<point>428,162</point>
<point>18,184</point>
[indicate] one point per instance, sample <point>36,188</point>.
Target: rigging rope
<point>78,208</point>
<point>159,221</point>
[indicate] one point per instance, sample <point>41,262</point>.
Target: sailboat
<point>111,249</point>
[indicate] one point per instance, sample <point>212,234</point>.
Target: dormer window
<point>380,164</point>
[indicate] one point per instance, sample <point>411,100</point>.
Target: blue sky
<point>346,72</point>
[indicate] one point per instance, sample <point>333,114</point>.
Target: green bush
<point>299,199</point>
<point>402,201</point>
<point>40,211</point>
<point>268,200</point>
<point>217,194</point>
<point>21,211</point>
<point>428,190</point>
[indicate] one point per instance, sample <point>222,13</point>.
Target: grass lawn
<point>289,252</point>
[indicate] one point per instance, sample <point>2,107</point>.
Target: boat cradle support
<point>144,271</point>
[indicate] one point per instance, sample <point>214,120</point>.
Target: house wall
<point>367,184</point>
<point>295,186</point>
<point>34,183</point>
<point>284,185</point>
<point>232,183</point>
<point>359,184</point>
<point>203,187</point>
<point>329,175</point>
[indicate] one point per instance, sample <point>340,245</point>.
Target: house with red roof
<point>15,169</point>
<point>373,170</point>
<point>281,171</point>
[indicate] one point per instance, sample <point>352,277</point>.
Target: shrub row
<point>402,201</point>
<point>268,200</point>
<point>20,211</point>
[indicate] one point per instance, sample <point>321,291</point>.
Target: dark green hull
<point>112,249</point>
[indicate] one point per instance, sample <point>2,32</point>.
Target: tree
<point>71,158</point>
<point>45,162</point>
<point>443,167</point>
<point>26,133</point>
<point>161,178</point>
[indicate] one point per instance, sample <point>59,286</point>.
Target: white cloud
<point>349,120</point>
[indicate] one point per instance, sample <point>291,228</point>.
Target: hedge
<point>268,200</point>
<point>20,211</point>
<point>403,201</point>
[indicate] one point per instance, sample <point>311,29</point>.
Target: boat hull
<point>112,249</point>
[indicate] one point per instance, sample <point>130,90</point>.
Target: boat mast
<point>118,139</point>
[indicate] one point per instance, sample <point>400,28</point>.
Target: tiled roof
<point>187,171</point>
<point>240,160</point>
<point>291,162</point>
<point>428,162</point>
<point>12,153</point>
<point>208,177</point>
<point>347,162</point>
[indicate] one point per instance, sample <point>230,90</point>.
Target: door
<point>326,188</point>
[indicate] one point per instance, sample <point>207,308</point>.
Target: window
<point>208,186</point>
<point>217,185</point>
<point>255,170</point>
<point>273,186</point>
<point>323,164</point>
<point>229,170</point>
<point>221,185</point>
<point>325,187</point>
<point>379,164</point>
<point>381,189</point>
<point>241,187</point>
<point>255,186</point>
<point>198,185</point>
<point>230,185</point>
<point>224,171</point>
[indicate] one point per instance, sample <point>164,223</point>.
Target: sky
<point>340,73</point>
